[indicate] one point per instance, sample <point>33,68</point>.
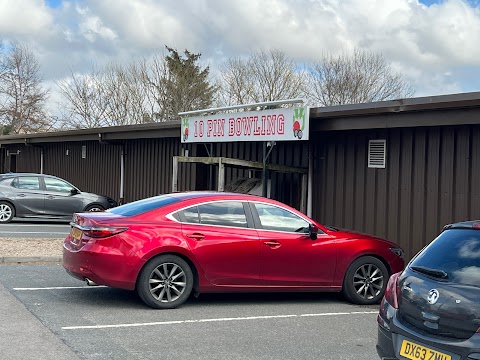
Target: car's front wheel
<point>365,281</point>
<point>165,282</point>
<point>7,212</point>
<point>93,208</point>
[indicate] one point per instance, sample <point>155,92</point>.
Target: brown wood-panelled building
<point>399,169</point>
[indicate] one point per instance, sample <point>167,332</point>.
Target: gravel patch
<point>29,247</point>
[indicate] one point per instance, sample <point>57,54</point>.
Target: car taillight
<point>391,290</point>
<point>103,231</point>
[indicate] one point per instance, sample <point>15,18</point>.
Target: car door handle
<point>50,197</point>
<point>273,244</point>
<point>21,195</point>
<point>196,236</point>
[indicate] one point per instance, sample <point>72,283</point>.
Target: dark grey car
<point>431,311</point>
<point>45,196</point>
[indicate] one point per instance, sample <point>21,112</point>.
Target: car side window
<point>275,218</point>
<point>190,215</point>
<point>225,213</point>
<point>57,185</point>
<point>26,183</point>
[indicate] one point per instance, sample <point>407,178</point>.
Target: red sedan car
<point>167,246</point>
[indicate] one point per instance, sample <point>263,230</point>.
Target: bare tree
<point>124,95</point>
<point>359,77</point>
<point>82,105</point>
<point>153,75</point>
<point>263,76</point>
<point>22,98</point>
<point>237,83</point>
<point>112,96</point>
<point>142,91</point>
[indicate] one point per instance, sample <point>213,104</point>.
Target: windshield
<point>455,252</point>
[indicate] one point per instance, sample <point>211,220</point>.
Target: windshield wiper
<point>431,272</point>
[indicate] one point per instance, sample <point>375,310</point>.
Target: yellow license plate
<point>417,352</point>
<point>76,234</point>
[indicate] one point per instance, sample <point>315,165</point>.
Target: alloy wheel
<point>5,212</point>
<point>167,282</point>
<point>368,281</point>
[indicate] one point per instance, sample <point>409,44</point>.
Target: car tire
<point>365,281</point>
<point>165,282</point>
<point>7,212</point>
<point>94,208</point>
<point>300,134</point>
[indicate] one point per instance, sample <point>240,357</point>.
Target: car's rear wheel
<point>94,208</point>
<point>7,212</point>
<point>165,282</point>
<point>365,281</point>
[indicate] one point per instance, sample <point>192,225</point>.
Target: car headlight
<point>398,251</point>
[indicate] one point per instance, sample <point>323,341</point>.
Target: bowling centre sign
<point>267,125</point>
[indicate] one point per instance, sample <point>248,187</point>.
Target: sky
<point>433,43</point>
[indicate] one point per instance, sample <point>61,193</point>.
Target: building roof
<point>430,111</point>
<point>376,115</point>
<point>438,102</point>
<point>107,134</point>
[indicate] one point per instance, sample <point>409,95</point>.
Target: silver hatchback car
<point>44,196</point>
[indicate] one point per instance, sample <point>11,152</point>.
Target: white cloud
<point>23,18</point>
<point>429,44</point>
<point>92,28</point>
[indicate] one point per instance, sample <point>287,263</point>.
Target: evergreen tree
<point>185,86</point>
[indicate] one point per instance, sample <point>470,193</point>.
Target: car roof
<point>471,224</point>
<point>17,174</point>
<point>209,194</point>
<point>23,174</point>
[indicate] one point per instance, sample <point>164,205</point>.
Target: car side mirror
<point>74,192</point>
<point>313,231</point>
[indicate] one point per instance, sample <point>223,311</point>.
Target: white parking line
<point>326,314</point>
<point>176,322</point>
<point>59,288</point>
<point>34,232</point>
<point>35,226</point>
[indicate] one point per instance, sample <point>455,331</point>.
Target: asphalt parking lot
<point>106,323</point>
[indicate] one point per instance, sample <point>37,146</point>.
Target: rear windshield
<point>455,251</point>
<point>142,206</point>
